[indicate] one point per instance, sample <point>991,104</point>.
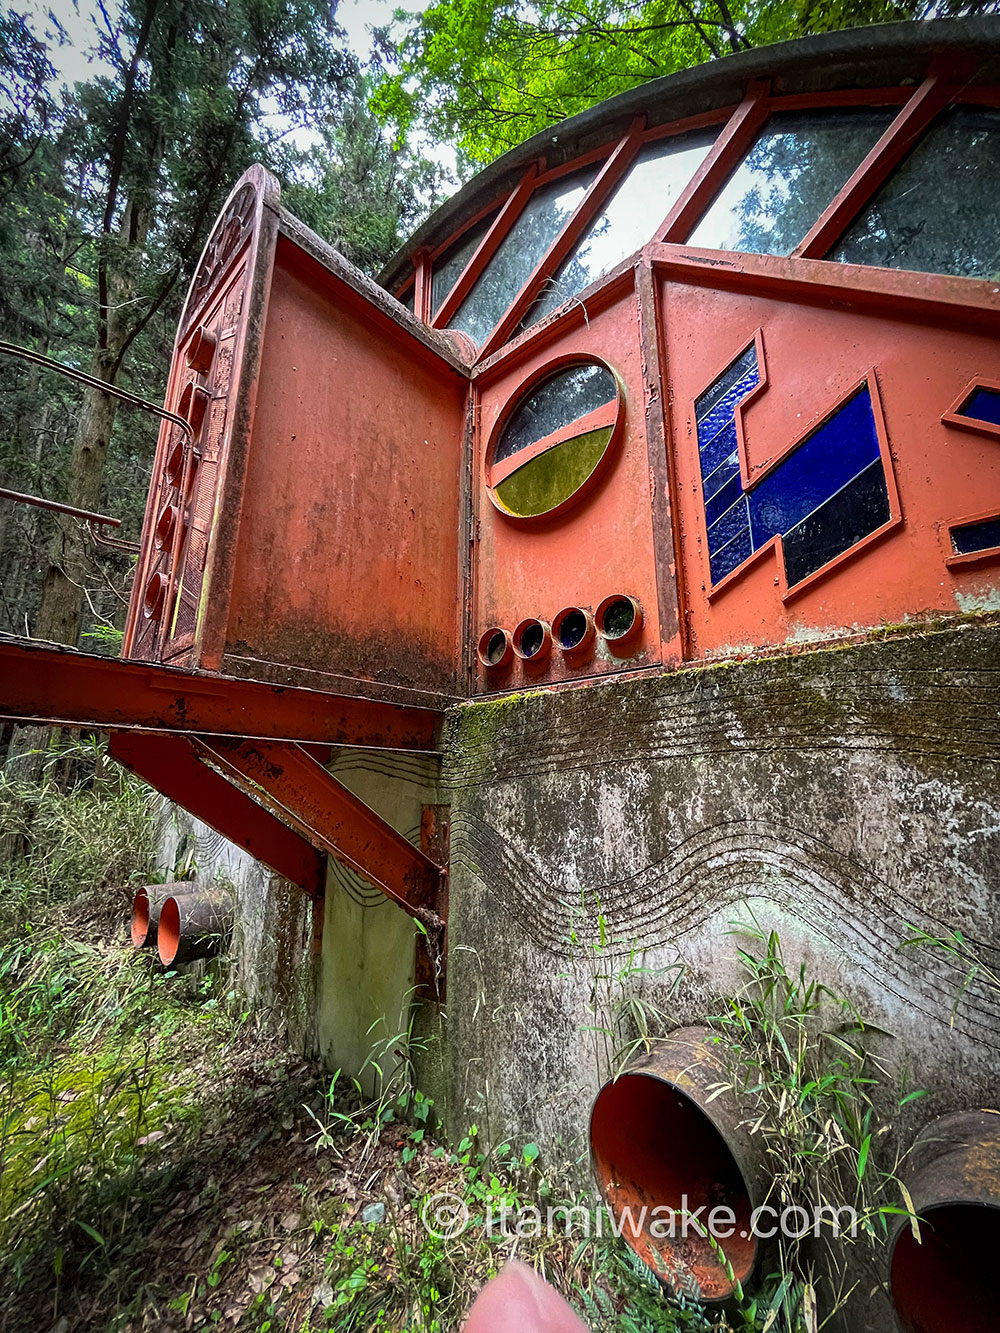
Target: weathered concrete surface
<point>842,796</point>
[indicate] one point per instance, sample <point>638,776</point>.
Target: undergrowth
<point>166,1163</point>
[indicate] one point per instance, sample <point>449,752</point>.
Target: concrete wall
<point>338,974</point>
<point>841,796</point>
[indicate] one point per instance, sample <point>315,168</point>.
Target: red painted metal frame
<point>956,561</point>
<point>487,247</point>
<point>422,284</point>
<point>601,188</point>
<point>662,471</point>
<point>775,544</point>
<point>725,154</point>
<point>43,682</point>
<point>955,417</point>
<point>937,299</point>
<point>914,118</point>
<point>172,764</point>
<point>333,819</point>
<point>952,559</point>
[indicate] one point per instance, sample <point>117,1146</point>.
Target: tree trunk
<point>59,614</point>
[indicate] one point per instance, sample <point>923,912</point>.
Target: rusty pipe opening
<point>947,1281</point>
<point>193,925</point>
<point>146,906</point>
<point>660,1148</point>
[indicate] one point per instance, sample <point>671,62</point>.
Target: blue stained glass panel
<point>724,499</point>
<point>721,412</point>
<point>982,405</point>
<point>973,537</point>
<point>828,494</point>
<point>831,456</point>
<point>730,557</point>
<point>734,520</point>
<point>715,481</point>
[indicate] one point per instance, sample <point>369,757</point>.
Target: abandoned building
<point>625,563</point>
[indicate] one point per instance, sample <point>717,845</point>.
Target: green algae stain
<point>551,478</point>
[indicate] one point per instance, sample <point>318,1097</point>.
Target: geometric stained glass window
<point>821,499</point>
<point>970,538</point>
<point>629,218</point>
<point>554,441</point>
<point>793,171</point>
<point>937,212</point>
<point>982,405</point>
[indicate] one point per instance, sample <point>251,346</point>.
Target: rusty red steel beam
<point>297,788</point>
<point>173,766</point>
<point>46,683</point>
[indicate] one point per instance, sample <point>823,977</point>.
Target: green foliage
<point>806,1064</point>
<point>486,74</point>
<point>107,193</point>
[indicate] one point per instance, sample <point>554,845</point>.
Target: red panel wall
<point>348,557</point>
<point>813,356</point>
<point>601,546</point>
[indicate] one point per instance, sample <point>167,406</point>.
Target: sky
<point>74,59</point>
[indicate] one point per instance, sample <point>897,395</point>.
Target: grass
<point>166,1163</point>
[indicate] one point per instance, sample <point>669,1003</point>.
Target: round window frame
<point>516,399</point>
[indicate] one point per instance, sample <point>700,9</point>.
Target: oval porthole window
<point>552,442</point>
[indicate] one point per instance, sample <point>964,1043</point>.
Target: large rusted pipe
<point>146,907</point>
<point>947,1282</point>
<point>193,925</point>
<point>655,1137</point>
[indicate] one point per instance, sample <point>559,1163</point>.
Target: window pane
<point>631,216</point>
<point>409,298</point>
<point>520,253</point>
<point>937,214</point>
<point>556,402</point>
<point>451,265</point>
<point>788,178</point>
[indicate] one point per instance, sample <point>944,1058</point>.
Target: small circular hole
<point>495,649</point>
<point>152,598</point>
<point>165,526</point>
<point>175,463</point>
<point>573,630</point>
<point>532,640</point>
<point>201,350</point>
<point>618,617</point>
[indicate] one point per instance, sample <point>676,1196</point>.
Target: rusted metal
<point>95,521</point>
<point>947,1280</point>
<point>293,785</point>
<point>47,683</point>
<point>92,382</point>
<point>195,924</point>
<point>146,906</point>
<point>174,767</point>
<point>663,1137</point>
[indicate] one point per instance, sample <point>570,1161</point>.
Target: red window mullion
<point>725,154</point>
<point>488,247</point>
<point>931,97</point>
<point>605,182</point>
